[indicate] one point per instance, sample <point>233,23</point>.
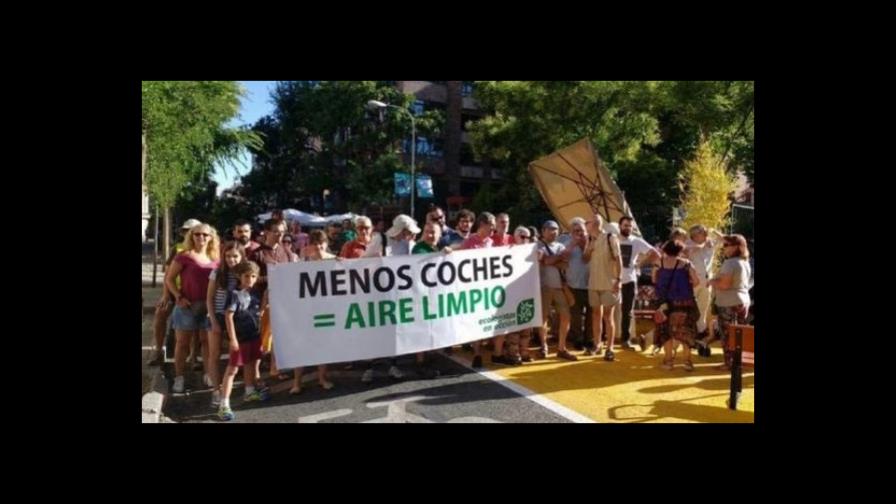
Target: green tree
<point>527,120</point>
<point>643,131</point>
<point>706,188</point>
<point>321,136</point>
<point>185,136</point>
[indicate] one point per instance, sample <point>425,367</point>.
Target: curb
<point>154,399</point>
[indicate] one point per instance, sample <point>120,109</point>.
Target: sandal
<point>688,366</point>
<point>295,391</point>
<point>668,364</point>
<point>326,385</point>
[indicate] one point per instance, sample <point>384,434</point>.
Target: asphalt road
<point>458,395</point>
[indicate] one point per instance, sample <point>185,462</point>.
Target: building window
<point>469,189</point>
<point>438,148</point>
<point>472,171</point>
<point>466,155</point>
<point>425,147</point>
<point>466,88</point>
<point>418,107</point>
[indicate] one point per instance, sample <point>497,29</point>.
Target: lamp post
<point>374,105</point>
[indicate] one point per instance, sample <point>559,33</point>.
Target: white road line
<point>528,394</point>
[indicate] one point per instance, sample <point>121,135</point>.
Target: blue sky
<point>255,105</point>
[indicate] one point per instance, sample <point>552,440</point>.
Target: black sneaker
<point>158,360</point>
<point>609,356</point>
<point>500,359</point>
<point>477,362</point>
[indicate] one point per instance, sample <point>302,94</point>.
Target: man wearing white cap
<point>401,235</point>
<point>701,251</point>
<point>400,242</point>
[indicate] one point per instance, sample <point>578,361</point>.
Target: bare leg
<point>322,377</point>
<point>669,352</point>
<point>611,325</point>
<point>499,345</point>
<point>214,356</point>
<point>597,325</point>
<point>564,331</point>
<point>159,324</point>
<point>227,384</point>
<point>180,351</point>
<point>296,381</point>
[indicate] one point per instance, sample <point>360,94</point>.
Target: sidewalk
<point>155,387</point>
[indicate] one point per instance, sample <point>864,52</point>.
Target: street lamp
<point>375,105</point>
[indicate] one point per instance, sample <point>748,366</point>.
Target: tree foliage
<point>643,131</point>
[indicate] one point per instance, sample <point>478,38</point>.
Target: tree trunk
<point>145,202</point>
<point>143,159</point>
<point>166,239</point>
<point>155,248</point>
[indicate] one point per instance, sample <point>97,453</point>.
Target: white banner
<point>337,311</point>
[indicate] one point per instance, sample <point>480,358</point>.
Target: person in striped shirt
<point>221,281</point>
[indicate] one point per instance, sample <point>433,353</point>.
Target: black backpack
<point>245,322</point>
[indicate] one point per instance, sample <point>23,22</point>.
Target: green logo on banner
<point>525,311</point>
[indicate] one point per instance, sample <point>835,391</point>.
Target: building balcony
<point>425,90</point>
